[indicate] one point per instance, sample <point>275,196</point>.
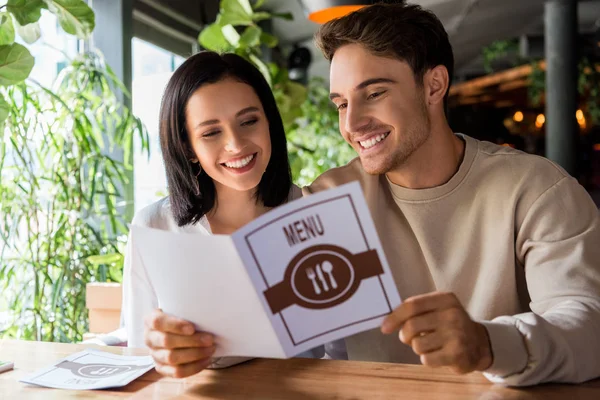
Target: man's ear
<point>436,82</point>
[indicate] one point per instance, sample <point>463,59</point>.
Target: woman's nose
<point>234,143</point>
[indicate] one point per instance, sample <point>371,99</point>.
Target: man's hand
<point>176,348</point>
<point>438,329</point>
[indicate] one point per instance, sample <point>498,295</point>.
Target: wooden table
<point>278,379</point>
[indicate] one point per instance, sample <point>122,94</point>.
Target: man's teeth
<point>373,141</point>
<point>240,163</point>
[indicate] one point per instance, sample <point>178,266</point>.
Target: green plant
<point>310,120</point>
<point>588,80</point>
<point>497,49</point>
<point>60,191</point>
<point>316,145</point>
<point>588,86</point>
<point>21,17</point>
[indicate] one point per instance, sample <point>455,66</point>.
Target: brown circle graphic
<point>322,277</point>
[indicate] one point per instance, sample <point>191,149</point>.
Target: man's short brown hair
<point>403,31</point>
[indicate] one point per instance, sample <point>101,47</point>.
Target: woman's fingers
<point>182,356</point>
<point>183,370</point>
<point>161,340</point>
<point>160,321</point>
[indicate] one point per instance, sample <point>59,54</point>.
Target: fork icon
<point>310,274</point>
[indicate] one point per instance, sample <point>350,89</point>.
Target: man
<point>495,252</point>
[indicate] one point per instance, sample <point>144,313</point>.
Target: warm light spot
<point>540,120</point>
<point>580,119</point>
<point>518,117</point>
<point>597,147</point>
<point>327,14</point>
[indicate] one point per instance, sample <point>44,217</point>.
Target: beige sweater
<point>516,239</point>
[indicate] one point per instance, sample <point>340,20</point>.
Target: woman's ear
<point>436,82</point>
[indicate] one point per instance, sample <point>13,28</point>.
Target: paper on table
<point>6,366</point>
<point>91,369</point>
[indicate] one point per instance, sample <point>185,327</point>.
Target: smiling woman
<point>225,155</point>
<point>217,110</point>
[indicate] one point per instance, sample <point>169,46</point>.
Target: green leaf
<point>258,4</point>
<point>4,111</point>
<point>30,33</point>
<point>15,64</point>
<point>74,16</point>
<point>296,91</point>
<point>269,40</point>
<point>251,36</point>
<point>235,12</point>
<point>25,11</point>
<point>212,38</point>
<point>288,16</point>
<point>231,35</point>
<point>262,67</point>
<point>7,30</point>
<point>105,259</point>
<point>261,15</point>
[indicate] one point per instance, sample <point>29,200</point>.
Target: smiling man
<point>495,252</point>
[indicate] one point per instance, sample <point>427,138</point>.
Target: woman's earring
<point>196,161</point>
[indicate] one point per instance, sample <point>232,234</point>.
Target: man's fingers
<point>417,325</point>
<point>435,359</point>
<point>160,321</point>
<point>428,343</point>
<point>182,356</point>
<point>161,340</point>
<point>184,370</point>
<point>417,305</point>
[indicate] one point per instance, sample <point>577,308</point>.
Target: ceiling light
<point>321,11</point>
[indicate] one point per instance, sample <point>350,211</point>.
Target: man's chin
<point>374,168</point>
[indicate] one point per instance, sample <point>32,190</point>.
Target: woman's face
<point>229,133</point>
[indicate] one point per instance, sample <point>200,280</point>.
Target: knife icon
<point>322,278</point>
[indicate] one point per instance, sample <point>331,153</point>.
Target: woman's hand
<point>177,349</point>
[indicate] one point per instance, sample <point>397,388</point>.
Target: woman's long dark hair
<point>193,196</point>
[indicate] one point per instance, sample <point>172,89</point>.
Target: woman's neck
<point>233,209</point>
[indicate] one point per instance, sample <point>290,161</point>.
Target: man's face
<point>382,110</point>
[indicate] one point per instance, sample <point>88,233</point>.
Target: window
<point>152,69</point>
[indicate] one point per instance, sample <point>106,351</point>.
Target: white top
<point>139,298</point>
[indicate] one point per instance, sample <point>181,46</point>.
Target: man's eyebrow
<point>364,84</point>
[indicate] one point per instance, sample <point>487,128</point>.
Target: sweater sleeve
<point>558,244</point>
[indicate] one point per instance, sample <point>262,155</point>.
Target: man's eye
<point>375,95</point>
<point>342,106</point>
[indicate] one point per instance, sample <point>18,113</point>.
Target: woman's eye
<point>250,122</point>
<point>210,134</point>
<point>342,106</point>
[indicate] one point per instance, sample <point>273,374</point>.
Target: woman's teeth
<point>373,141</point>
<point>240,163</point>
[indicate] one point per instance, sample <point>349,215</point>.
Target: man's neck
<point>432,164</point>
<point>233,210</point>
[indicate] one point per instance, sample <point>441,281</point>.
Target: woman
<point>225,156</point>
